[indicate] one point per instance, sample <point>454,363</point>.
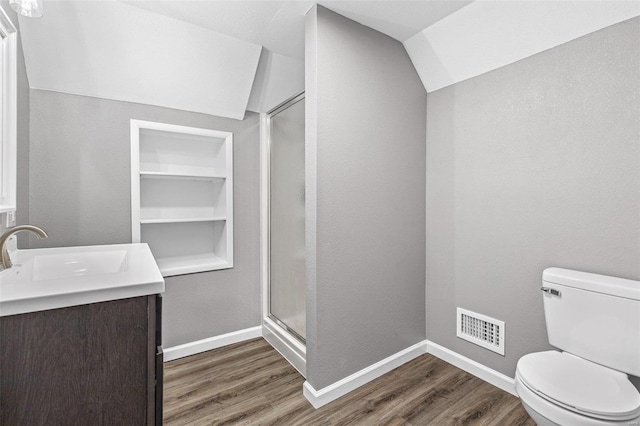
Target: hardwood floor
<point>249,383</point>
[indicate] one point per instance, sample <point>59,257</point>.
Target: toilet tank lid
<point>613,286</point>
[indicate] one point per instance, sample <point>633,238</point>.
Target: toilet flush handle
<point>551,291</point>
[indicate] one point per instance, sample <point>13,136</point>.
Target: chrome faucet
<point>4,239</point>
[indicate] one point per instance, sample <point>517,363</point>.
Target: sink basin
<point>53,278</point>
<point>55,266</point>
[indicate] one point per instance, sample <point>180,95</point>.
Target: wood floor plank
<point>240,413</point>
<point>511,413</point>
<point>287,410</point>
<point>241,390</point>
<point>476,407</point>
<point>391,396</point>
<point>425,406</point>
<point>249,383</point>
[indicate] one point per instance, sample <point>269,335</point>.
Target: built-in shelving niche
<point>182,196</point>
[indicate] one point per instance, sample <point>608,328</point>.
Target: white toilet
<point>595,320</point>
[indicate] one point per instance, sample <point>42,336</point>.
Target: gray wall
<point>536,164</point>
<point>365,198</point>
<point>80,194</point>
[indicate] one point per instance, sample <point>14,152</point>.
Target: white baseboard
<point>321,397</point>
<point>483,372</point>
<point>214,342</point>
<point>291,349</point>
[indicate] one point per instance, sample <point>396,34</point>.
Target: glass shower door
<point>287,284</point>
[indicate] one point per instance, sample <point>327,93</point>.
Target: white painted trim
<point>318,398</point>
<point>321,397</point>
<point>264,213</point>
<point>9,111</point>
<point>174,128</point>
<point>229,197</point>
<point>214,342</point>
<point>483,372</point>
<point>135,180</point>
<point>290,348</point>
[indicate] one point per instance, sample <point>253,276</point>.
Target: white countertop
<point>52,278</point>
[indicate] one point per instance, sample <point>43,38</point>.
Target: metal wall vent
<point>481,330</point>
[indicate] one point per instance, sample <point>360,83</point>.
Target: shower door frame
<point>285,341</point>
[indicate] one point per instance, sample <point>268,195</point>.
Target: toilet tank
<point>595,317</point>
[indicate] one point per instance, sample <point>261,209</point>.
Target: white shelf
<point>181,220</point>
<point>182,196</point>
<point>193,175</point>
<point>179,265</point>
<point>183,152</point>
<point>179,198</point>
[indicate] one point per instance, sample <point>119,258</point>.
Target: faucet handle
<point>12,243</point>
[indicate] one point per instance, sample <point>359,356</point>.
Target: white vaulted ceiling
<point>489,34</point>
<point>396,18</point>
<point>223,57</point>
<point>276,25</point>
<point>198,56</point>
<point>279,25</point>
<point>111,50</point>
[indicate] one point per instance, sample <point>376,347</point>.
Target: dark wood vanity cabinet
<point>95,364</point>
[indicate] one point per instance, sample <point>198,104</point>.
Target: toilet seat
<point>579,385</point>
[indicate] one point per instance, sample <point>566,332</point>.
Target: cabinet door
<point>82,365</point>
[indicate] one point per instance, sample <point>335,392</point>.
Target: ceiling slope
<point>111,50</point>
<point>279,25</point>
<point>276,25</point>
<point>487,35</point>
<point>399,19</point>
<point>278,79</point>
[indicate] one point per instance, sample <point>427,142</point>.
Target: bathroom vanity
<point>80,337</point>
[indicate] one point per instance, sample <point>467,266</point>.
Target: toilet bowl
<point>594,321</point>
<point>557,388</point>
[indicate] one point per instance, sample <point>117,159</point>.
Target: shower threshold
<point>287,329</point>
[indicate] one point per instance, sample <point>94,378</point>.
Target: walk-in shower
<point>283,223</point>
